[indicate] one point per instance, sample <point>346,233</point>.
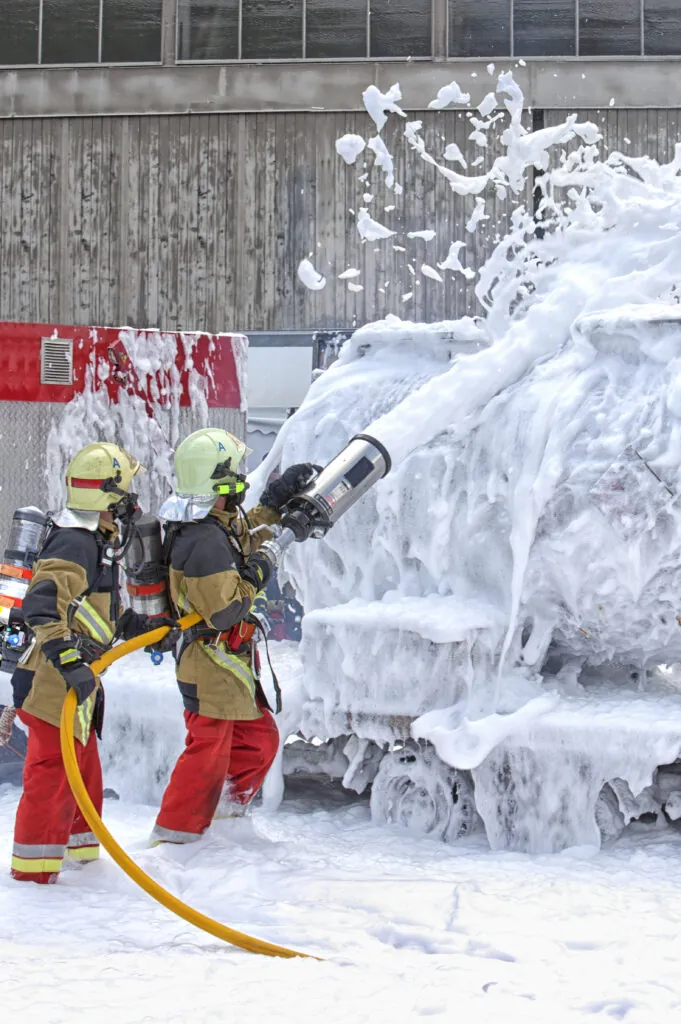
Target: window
<point>70,32</point>
<point>19,31</point>
<point>131,31</point>
<point>544,28</point>
<point>297,29</point>
<point>400,28</point>
<point>480,28</point>
<point>80,31</point>
<point>609,28</point>
<point>336,30</point>
<point>272,29</point>
<point>662,27</point>
<point>208,31</point>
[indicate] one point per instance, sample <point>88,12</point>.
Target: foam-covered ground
<point>409,928</point>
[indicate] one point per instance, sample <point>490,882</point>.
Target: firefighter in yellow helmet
<point>217,569</point>
<point>73,607</point>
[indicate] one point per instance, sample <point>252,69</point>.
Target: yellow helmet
<point>98,475</point>
<point>207,465</point>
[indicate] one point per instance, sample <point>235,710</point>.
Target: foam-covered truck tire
<point>415,789</point>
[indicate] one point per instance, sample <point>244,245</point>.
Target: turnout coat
<point>216,680</point>
<point>69,565</point>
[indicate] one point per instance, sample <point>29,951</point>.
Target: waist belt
<point>236,638</point>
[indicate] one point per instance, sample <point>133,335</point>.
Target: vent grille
<point>56,361</point>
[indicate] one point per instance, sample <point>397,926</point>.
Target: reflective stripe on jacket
<point>204,577</point>
<point>68,566</point>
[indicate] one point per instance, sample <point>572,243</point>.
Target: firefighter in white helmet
<point>73,607</point>
<point>217,570</point>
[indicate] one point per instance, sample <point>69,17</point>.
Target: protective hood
<point>76,518</point>
<point>177,509</point>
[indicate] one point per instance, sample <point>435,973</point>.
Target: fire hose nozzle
<point>336,488</point>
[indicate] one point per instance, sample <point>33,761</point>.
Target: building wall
<point>199,222</point>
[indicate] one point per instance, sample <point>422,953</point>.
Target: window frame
<point>183,62</point>
<point>439,48</point>
<point>641,55</point>
<point>99,63</point>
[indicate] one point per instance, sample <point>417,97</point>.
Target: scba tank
<point>507,595</point>
<point>25,539</point>
<point>145,569</point>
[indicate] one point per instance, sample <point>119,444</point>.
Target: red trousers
<point>48,822</point>
<point>216,752</point>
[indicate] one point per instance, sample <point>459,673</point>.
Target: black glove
<point>258,570</point>
<point>291,482</point>
<point>167,644</point>
<point>67,659</point>
<point>132,624</point>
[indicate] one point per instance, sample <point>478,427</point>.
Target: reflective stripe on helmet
<point>230,488</point>
<point>83,482</point>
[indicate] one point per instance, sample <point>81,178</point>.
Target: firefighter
<point>73,607</point>
<point>217,570</point>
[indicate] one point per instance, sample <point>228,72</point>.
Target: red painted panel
<point>212,355</point>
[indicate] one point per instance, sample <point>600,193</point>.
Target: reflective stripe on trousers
<point>83,847</point>
<point>171,835</point>
<point>225,659</point>
<point>35,860</point>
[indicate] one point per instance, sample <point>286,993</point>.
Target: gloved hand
<point>259,568</point>
<point>291,482</point>
<point>167,644</point>
<point>68,660</point>
<point>132,624</point>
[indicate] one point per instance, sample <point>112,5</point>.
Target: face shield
<point>77,518</point>
<point>178,509</point>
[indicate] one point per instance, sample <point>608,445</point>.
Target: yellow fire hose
<point>141,878</point>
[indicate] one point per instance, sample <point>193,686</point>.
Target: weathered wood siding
<point>198,222</point>
<point>652,133</point>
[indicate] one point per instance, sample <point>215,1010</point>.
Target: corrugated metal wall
<point>199,222</point>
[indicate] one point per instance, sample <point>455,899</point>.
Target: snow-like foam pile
<point>530,525</point>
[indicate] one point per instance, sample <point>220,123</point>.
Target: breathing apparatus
<point>96,475</point>
<point>26,536</point>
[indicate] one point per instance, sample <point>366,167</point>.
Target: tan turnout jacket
<point>69,564</point>
<point>214,680</point>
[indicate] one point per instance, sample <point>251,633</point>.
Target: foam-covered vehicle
<point>492,630</point>
<point>485,632</point>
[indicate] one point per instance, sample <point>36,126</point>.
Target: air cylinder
<point>147,575</point>
<point>16,570</point>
